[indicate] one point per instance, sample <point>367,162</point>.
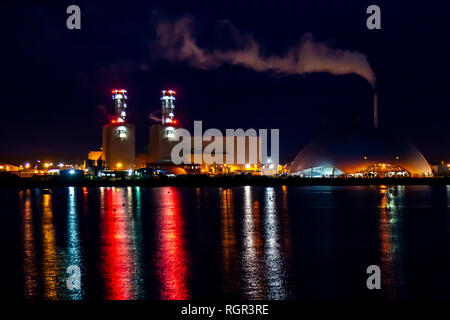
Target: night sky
<point>56,82</point>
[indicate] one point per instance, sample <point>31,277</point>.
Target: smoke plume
<point>154,117</point>
<point>102,109</point>
<point>177,42</point>
<point>104,112</point>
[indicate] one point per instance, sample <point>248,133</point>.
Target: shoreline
<point>209,181</point>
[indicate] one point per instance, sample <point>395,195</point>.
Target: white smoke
<point>178,43</point>
<point>154,117</point>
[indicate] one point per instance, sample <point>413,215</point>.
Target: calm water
<point>241,242</point>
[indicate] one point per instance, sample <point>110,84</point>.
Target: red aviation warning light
<point>118,120</point>
<point>168,92</point>
<point>171,121</point>
<point>117,91</point>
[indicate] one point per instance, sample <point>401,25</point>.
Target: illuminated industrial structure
<point>9,167</point>
<point>119,136</point>
<point>168,117</point>
<point>364,153</point>
<point>230,161</point>
<point>120,104</point>
<point>162,135</point>
<point>370,153</point>
<point>162,140</point>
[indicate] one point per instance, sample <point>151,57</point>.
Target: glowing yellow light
<point>46,165</point>
<point>27,165</point>
<point>119,165</point>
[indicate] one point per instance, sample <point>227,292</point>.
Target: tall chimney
<point>167,98</point>
<point>375,110</point>
<point>120,103</point>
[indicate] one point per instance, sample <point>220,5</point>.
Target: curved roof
<point>354,151</point>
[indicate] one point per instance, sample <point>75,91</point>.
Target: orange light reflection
<point>50,259</point>
<point>29,256</point>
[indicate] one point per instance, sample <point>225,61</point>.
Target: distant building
<point>95,163</point>
<point>230,160</point>
<point>441,169</point>
<point>162,140</point>
<point>9,167</point>
<point>96,155</point>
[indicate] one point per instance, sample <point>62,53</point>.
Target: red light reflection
<point>116,251</point>
<point>171,256</point>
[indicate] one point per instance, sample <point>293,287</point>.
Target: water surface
<point>312,242</point>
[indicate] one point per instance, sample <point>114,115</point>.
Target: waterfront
<point>279,242</point>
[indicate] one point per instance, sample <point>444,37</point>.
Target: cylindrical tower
<point>120,103</point>
<point>119,136</point>
<point>119,146</point>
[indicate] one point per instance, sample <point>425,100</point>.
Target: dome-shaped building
<point>370,153</point>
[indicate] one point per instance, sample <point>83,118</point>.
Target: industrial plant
<point>368,153</point>
<point>118,147</point>
<point>119,136</point>
<point>363,153</point>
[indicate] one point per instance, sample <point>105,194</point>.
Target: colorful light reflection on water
<point>117,255</point>
<point>30,269</point>
<point>259,242</point>
<point>171,258</point>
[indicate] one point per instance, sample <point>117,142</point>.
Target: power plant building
<point>162,140</point>
<point>119,136</point>
<point>162,135</point>
<point>368,153</point>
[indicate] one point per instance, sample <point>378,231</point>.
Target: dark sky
<point>55,80</point>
